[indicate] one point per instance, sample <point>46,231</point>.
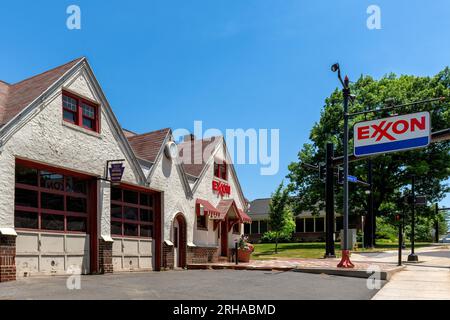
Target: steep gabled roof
<point>225,205</point>
<point>148,145</point>
<point>14,98</point>
<point>22,97</point>
<point>193,154</point>
<point>196,153</point>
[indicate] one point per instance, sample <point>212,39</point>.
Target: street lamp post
<point>436,226</point>
<point>369,225</point>
<point>412,256</point>
<point>345,261</point>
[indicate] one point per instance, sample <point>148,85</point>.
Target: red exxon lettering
<point>420,125</point>
<point>381,131</point>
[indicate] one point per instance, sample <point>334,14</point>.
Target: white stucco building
<point>203,204</point>
<point>80,192</point>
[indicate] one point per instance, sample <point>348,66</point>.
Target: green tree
<point>281,219</point>
<point>391,172</point>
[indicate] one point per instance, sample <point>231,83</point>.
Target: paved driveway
<point>193,285</point>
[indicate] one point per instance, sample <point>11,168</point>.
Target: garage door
<point>47,253</point>
<point>132,218</point>
<point>51,220</point>
<point>132,254</point>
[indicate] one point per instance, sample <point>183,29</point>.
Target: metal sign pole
<point>345,262</point>
<point>400,241</point>
<point>413,257</point>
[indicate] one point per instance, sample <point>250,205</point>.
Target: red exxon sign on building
<point>392,134</point>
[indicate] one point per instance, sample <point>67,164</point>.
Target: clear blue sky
<point>231,64</point>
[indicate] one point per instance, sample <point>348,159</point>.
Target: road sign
<point>392,134</point>
<point>322,171</point>
<point>421,201</point>
<point>349,178</point>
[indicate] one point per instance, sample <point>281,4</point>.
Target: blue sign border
<point>394,146</point>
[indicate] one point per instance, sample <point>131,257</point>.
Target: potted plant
<point>245,249</point>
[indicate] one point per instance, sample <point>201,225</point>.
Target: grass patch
<point>314,250</point>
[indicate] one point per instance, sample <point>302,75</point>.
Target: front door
<point>224,238</point>
<point>176,244</point>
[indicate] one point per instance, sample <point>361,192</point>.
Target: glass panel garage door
<point>132,218</point>
<point>51,219</point>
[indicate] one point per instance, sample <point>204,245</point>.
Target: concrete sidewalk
<point>427,280</point>
<point>417,283</point>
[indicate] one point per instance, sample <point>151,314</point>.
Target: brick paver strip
<point>290,264</point>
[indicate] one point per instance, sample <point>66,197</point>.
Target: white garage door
<point>132,254</point>
<point>51,254</point>
<point>132,217</point>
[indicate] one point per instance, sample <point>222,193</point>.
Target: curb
<point>384,275</point>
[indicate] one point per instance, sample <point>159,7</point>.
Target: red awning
<point>209,209</point>
<point>244,217</point>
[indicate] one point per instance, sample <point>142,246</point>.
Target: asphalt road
<point>193,285</point>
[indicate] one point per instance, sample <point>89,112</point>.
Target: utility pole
<point>400,240</point>
<point>329,196</point>
<point>369,225</point>
<point>413,257</point>
<point>436,235</point>
<point>345,262</point>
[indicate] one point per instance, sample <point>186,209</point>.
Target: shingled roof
<point>147,146</point>
<point>14,98</point>
<point>195,162</point>
<point>259,207</point>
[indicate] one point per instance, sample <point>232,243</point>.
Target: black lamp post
<point>345,262</point>
<point>412,256</point>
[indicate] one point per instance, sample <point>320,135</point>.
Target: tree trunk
<point>276,245</point>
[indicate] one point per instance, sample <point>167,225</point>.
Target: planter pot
<point>244,255</point>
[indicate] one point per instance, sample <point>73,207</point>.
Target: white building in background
<point>308,227</point>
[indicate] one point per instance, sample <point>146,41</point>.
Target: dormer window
<point>80,112</point>
<point>220,170</point>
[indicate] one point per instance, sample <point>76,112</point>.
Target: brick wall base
<point>168,257</point>
<point>202,255</point>
<point>105,257</point>
<point>7,258</point>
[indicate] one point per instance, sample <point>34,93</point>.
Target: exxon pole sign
<point>392,134</point>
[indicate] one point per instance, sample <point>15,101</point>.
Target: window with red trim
<point>80,112</point>
<point>131,213</point>
<point>202,223</point>
<point>237,228</point>
<point>50,201</point>
<point>220,170</point>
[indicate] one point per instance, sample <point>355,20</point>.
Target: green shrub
<point>386,230</point>
<point>269,237</point>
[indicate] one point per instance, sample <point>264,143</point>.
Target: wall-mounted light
<point>171,150</point>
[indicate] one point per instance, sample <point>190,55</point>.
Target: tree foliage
<point>281,219</point>
<point>391,172</point>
